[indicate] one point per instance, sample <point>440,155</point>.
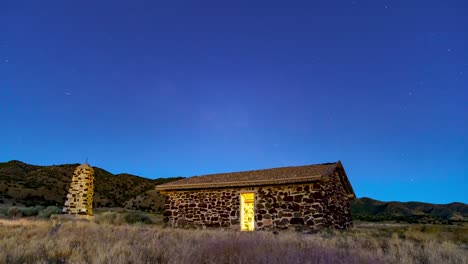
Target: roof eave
<point>238,184</point>
<point>351,193</point>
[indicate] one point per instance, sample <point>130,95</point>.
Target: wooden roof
<point>284,175</point>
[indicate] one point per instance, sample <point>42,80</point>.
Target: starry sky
<point>182,88</point>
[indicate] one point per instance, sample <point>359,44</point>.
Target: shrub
<point>115,218</point>
<point>29,211</point>
<point>4,211</point>
<point>112,218</point>
<point>14,212</point>
<point>137,217</point>
<point>48,211</point>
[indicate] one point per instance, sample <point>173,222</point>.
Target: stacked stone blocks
<point>80,194</point>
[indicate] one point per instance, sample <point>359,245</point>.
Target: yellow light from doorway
<point>247,211</point>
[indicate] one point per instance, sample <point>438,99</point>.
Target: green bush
<point>137,217</point>
<point>112,218</point>
<point>4,211</point>
<point>115,218</point>
<point>14,212</point>
<point>29,211</point>
<point>48,211</point>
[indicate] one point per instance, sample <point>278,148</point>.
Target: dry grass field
<point>107,240</point>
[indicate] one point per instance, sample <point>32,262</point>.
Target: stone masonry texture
<point>301,207</point>
<point>81,192</point>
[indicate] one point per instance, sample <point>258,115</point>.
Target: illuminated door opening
<point>247,211</point>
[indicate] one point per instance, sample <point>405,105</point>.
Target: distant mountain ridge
<point>368,209</point>
<point>26,184</point>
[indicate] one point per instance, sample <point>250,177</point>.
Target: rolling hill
<point>368,209</point>
<point>25,184</point>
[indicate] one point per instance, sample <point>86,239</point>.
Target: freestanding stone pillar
<point>81,191</point>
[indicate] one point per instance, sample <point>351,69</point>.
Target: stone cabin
<point>298,198</point>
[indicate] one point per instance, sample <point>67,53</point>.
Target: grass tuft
<point>102,241</point>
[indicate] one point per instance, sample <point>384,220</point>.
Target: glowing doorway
<point>247,211</point>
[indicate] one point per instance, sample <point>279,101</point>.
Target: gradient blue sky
<point>185,88</point>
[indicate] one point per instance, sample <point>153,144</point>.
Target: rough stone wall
<point>295,206</point>
<point>337,210</point>
<point>203,208</point>
<point>81,192</point>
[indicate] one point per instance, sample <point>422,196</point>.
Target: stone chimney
<point>81,191</point>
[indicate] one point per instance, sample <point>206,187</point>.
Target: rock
<point>298,198</point>
<point>296,221</point>
<point>167,213</point>
<point>267,222</point>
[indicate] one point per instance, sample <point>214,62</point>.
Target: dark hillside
<point>368,209</point>
<point>25,184</point>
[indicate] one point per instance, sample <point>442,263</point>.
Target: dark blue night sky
<point>182,88</point>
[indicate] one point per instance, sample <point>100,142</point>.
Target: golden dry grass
<point>36,241</point>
